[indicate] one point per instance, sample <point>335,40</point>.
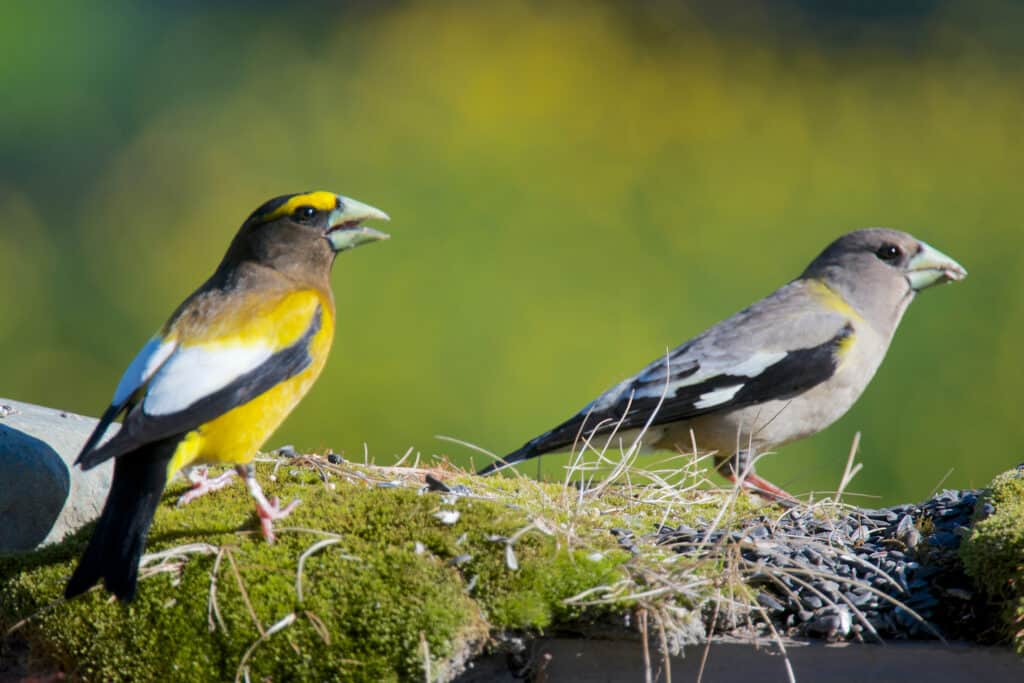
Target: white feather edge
<point>147,361</point>
<point>717,397</point>
<point>756,364</point>
<point>752,366</point>
<point>194,372</point>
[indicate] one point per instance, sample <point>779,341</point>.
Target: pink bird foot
<point>268,511</point>
<point>202,484</point>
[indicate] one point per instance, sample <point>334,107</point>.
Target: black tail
<point>525,453</point>
<point>561,436</point>
<point>117,543</point>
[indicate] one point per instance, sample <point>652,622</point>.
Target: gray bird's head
<point>878,271</point>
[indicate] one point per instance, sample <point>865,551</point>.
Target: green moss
<point>993,553</point>
<point>397,584</point>
<point>394,586</point>
<point>369,601</point>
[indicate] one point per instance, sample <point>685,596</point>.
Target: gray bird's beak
<point>931,267</point>
<point>346,231</point>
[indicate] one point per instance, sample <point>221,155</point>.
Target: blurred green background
<point>573,188</point>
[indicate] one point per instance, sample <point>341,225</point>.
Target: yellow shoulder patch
<point>319,200</point>
<point>255,318</point>
<point>831,298</point>
<point>845,345</point>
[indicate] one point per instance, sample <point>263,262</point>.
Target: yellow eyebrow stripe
<point>319,200</point>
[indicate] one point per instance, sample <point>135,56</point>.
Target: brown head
<point>299,235</point>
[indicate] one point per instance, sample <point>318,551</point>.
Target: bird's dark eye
<point>304,213</point>
<point>888,252</point>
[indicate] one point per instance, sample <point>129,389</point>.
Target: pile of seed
<point>861,574</point>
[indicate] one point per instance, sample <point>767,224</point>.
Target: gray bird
<point>780,370</point>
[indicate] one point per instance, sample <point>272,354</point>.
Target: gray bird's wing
<point>777,348</point>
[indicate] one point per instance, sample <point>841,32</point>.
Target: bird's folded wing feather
<point>775,349</point>
<point>147,361</point>
<point>190,374</point>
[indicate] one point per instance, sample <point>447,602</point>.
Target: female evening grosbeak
<point>225,370</point>
<point>780,370</point>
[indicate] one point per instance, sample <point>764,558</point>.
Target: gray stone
<point>43,497</point>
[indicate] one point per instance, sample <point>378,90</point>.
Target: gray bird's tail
<point>525,453</point>
<point>117,542</point>
<point>561,436</point>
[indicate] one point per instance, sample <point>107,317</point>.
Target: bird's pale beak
<point>931,267</point>
<point>345,229</point>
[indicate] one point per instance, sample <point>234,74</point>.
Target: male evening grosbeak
<point>782,369</point>
<point>219,377</point>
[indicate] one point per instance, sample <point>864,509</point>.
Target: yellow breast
<point>236,436</point>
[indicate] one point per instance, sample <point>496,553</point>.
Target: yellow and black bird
<point>229,365</point>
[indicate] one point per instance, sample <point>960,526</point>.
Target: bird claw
<point>269,512</point>
<point>766,489</point>
<point>202,484</point>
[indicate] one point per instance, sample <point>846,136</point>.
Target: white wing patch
<point>717,397</point>
<point>142,367</point>
<point>197,371</point>
<point>751,366</point>
<point>654,379</point>
<point>756,364</point>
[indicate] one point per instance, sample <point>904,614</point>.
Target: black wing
<point>140,428</point>
<point>630,404</point>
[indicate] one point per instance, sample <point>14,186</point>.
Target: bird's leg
<point>202,484</point>
<point>268,511</point>
<point>739,468</point>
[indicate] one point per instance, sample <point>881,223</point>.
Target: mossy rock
<point>391,592</point>
<point>993,553</point>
